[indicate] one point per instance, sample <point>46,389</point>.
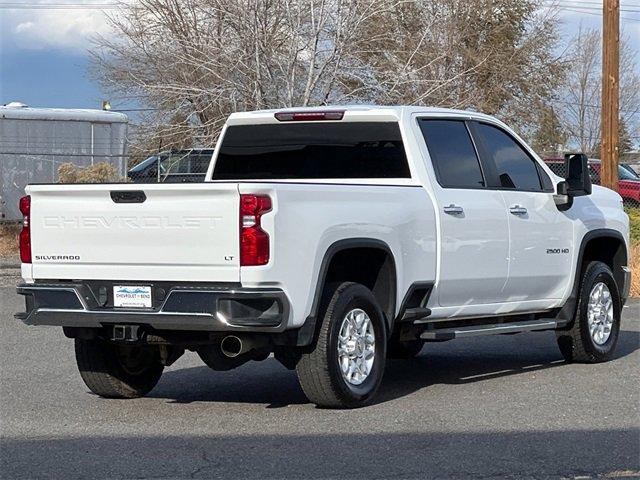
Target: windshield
<point>625,172</point>
<point>144,164</point>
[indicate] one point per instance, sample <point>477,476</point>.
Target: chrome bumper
<point>212,308</point>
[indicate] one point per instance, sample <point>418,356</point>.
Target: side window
<point>515,168</point>
<point>452,153</point>
<point>547,184</point>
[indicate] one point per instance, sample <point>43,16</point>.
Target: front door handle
<point>453,209</point>
<point>517,210</point>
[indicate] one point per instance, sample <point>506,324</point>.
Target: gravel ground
<point>505,406</point>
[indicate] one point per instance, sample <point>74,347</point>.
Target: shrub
<point>634,224</point>
<point>9,239</point>
<point>98,173</point>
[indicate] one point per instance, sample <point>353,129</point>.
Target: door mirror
<point>578,181</point>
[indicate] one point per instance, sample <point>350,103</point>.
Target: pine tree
<point>625,144</point>
<point>549,136</point>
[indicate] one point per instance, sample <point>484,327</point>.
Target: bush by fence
<point>98,173</point>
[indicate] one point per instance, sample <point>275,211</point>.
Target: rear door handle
<point>453,209</point>
<point>518,210</point>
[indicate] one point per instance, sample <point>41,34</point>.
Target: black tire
<point>406,349</point>
<point>113,371</point>
<point>576,342</point>
<point>319,371</point>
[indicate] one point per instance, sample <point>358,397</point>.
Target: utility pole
<point>610,93</point>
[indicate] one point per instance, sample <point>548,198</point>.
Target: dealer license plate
<point>131,296</point>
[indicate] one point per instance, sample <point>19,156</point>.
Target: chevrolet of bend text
<point>332,239</point>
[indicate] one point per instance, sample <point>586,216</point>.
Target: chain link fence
<point>35,143</point>
<point>174,166</point>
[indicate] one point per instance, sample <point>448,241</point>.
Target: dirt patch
<point>9,240</point>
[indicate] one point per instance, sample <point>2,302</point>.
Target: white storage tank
<point>34,142</point>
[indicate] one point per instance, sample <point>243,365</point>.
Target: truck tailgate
<point>174,232</point>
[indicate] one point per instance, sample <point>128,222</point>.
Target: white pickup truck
<point>332,238</point>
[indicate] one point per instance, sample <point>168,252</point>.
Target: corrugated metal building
<point>35,141</point>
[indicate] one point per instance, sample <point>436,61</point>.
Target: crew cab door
<point>474,237</point>
<point>541,237</point>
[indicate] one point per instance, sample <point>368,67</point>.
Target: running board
<point>491,329</point>
<point>412,314</point>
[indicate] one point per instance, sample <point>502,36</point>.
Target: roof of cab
<point>355,112</point>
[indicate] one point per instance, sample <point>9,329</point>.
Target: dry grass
<point>98,173</point>
<point>634,263</point>
<point>9,240</point>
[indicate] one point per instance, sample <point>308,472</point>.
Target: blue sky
<point>43,53</point>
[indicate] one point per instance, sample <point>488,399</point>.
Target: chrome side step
<point>491,329</point>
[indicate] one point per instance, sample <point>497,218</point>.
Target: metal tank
<point>34,142</point>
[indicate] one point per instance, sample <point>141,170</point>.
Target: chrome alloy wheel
<point>600,313</point>
<point>356,346</point>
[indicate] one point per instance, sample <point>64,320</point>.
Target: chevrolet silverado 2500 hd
<point>332,238</point>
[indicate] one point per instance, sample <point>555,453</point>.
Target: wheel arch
<point>384,286</point>
<point>605,245</point>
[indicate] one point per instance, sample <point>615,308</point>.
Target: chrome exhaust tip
<point>232,346</point>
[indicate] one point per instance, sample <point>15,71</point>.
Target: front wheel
<point>345,367</point>
<point>594,332</point>
<point>118,371</point>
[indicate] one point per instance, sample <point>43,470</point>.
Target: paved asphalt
<point>505,406</point>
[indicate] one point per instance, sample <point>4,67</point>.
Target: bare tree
<point>582,92</point>
<point>195,61</point>
<point>493,56</point>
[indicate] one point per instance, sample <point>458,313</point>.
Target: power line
<point>597,11</point>
<point>595,3</point>
<point>58,6</point>
<point>622,17</point>
<point>591,4</point>
<point>576,104</point>
<point>587,10</point>
<point>634,8</point>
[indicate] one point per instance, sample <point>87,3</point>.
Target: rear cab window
<point>452,153</point>
<point>311,150</point>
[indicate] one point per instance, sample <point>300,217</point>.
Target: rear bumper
<point>199,308</point>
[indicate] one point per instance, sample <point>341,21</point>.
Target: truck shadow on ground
<point>451,363</point>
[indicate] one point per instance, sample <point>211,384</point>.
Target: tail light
<point>254,242</point>
<point>25,233</point>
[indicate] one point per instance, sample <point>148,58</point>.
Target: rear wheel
<point>594,332</point>
<point>345,367</point>
<point>118,371</point>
